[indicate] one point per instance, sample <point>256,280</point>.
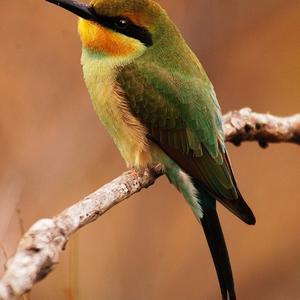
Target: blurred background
<point>53,151</point>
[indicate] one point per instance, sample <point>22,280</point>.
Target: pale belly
<point>128,133</point>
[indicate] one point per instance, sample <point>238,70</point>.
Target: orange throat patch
<point>103,40</point>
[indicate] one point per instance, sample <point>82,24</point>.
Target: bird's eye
<point>121,23</point>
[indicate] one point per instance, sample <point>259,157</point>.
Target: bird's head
<point>117,27</point>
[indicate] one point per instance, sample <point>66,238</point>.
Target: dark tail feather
<point>217,246</point>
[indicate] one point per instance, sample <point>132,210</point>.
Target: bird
<point>155,99</point>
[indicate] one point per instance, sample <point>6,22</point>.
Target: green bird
<point>152,94</point>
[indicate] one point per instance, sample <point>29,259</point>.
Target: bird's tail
<point>216,242</point>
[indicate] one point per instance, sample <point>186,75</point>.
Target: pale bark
<point>39,249</point>
<point>245,125</point>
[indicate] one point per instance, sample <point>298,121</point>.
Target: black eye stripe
<point>132,30</point>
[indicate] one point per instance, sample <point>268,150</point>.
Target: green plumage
<point>165,112</point>
<point>176,102</point>
<point>170,93</point>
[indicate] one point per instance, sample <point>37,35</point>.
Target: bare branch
<point>245,125</point>
<point>39,249</point>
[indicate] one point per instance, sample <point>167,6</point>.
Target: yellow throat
<point>106,41</point>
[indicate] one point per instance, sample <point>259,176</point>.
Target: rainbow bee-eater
<point>152,94</point>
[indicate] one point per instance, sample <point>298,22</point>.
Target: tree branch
<point>245,125</point>
<point>39,249</point>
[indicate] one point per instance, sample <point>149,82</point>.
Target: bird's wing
<point>183,117</point>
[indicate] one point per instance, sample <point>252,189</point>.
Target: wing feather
<point>183,117</point>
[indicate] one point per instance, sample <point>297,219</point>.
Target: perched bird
<point>156,101</point>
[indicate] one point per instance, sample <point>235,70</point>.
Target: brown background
<point>53,151</point>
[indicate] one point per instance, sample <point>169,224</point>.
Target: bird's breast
<point>111,107</point>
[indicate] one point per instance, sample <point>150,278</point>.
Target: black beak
<point>82,10</point>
